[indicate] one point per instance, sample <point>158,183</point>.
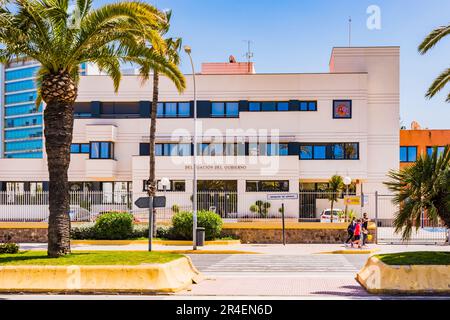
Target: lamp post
<point>187,49</point>
<point>347,182</point>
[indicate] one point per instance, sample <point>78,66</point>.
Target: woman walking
<point>350,231</point>
<point>357,234</point>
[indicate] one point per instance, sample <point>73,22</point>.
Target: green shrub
<point>114,226</point>
<point>166,232</point>
<point>182,224</point>
<point>83,232</point>
<point>140,231</point>
<point>9,248</point>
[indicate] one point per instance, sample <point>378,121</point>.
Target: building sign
<point>342,109</point>
<point>352,201</point>
<point>282,196</point>
<point>217,167</point>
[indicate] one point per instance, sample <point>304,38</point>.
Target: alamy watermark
<point>374,19</point>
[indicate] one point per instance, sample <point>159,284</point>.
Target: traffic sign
<point>282,196</point>
<point>158,202</point>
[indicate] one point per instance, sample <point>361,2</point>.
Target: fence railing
<point>231,206</point>
<point>84,206</point>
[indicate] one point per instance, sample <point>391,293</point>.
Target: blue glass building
<point>22,120</point>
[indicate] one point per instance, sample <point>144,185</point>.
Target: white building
<point>259,133</point>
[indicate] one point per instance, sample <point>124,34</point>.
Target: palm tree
<point>44,30</point>
<point>172,47</point>
<point>421,188</point>
<point>335,186</point>
<point>429,42</point>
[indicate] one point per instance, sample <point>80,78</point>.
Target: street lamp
<point>347,182</point>
<point>187,49</point>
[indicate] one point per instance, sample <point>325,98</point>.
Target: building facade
<point>418,141</point>
<point>258,134</point>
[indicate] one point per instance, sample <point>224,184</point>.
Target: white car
<point>325,216</point>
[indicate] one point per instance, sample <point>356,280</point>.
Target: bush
<point>182,224</point>
<point>83,232</point>
<point>114,226</point>
<point>165,232</point>
<point>9,248</point>
<point>140,231</point>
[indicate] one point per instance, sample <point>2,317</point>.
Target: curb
<point>169,277</point>
<point>351,251</point>
<point>380,278</point>
<point>160,242</point>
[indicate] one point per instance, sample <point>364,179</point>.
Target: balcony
<point>101,132</point>
<point>101,168</point>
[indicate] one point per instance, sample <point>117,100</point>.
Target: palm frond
<point>433,38</point>
<point>439,83</point>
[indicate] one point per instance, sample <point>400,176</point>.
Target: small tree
<point>335,186</point>
<point>422,187</point>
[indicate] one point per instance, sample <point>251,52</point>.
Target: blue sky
<point>297,36</point>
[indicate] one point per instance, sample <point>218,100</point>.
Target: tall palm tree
<point>423,187</point>
<point>429,42</point>
<point>335,186</point>
<point>171,53</point>
<point>45,30</point>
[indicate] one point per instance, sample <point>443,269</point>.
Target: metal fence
<point>231,206</point>
<point>84,206</point>
<point>426,232</point>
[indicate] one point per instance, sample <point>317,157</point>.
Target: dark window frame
<point>407,154</point>
<point>110,150</point>
<point>80,148</point>
<point>177,115</point>
<point>329,151</point>
<point>259,187</point>
<point>225,109</point>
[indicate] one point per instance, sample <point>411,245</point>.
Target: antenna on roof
<point>349,31</point>
<point>249,53</point>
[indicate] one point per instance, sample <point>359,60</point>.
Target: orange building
<point>417,141</point>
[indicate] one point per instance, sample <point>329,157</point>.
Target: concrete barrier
<point>381,278</point>
<point>169,277</point>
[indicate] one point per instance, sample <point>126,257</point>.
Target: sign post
<point>283,196</point>
<point>150,203</point>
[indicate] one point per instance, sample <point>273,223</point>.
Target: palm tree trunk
<point>58,120</point>
<point>152,174</point>
<point>331,213</point>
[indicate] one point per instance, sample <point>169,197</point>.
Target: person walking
<point>365,229</point>
<point>350,231</point>
<point>357,234</point>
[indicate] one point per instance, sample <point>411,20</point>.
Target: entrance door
<point>219,196</point>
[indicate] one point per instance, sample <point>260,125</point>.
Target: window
<point>268,106</point>
<point>408,153</point>
<point>308,105</point>
<point>225,109</point>
<point>122,109</point>
<point>24,122</point>
<point>101,150</point>
<point>20,86</point>
<point>440,150</point>
<point>23,145</point>
<point>166,149</point>
<point>330,151</point>
<point>20,97</point>
<point>22,109</point>
<point>23,133</point>
<point>217,185</point>
<point>79,148</point>
<point>254,106</point>
<point>267,186</point>
<point>173,110</point>
<point>25,155</point>
<point>342,109</point>
<point>175,186</point>
<point>21,73</point>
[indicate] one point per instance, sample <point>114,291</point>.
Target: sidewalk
<point>268,249</point>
